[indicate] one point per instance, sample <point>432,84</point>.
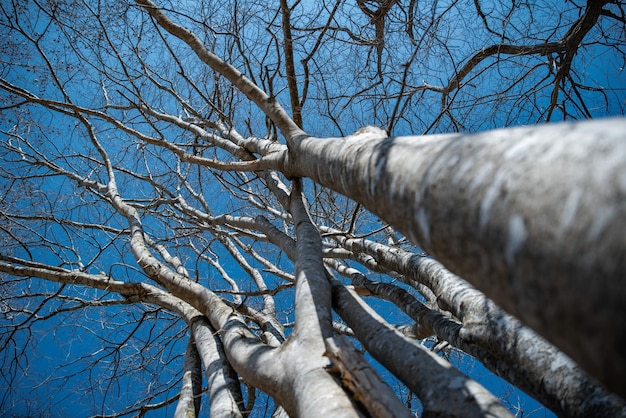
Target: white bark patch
<point>516,236</point>
<point>462,170</point>
<point>367,132</point>
<point>482,175</point>
<point>560,360</point>
<point>569,209</point>
<point>453,160</point>
<point>519,149</point>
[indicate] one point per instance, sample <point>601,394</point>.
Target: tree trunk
<point>224,391</point>
<point>532,216</point>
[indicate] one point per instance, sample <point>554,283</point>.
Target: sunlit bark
<point>513,211</point>
<point>442,389</point>
<point>224,390</point>
<point>189,400</point>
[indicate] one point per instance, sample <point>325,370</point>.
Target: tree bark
<point>532,216</point>
<point>224,391</point>
<point>443,390</point>
<point>367,387</point>
<point>315,392</point>
<point>189,400</point>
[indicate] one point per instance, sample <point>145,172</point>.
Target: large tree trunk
<point>533,216</point>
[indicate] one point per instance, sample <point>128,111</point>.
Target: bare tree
<point>185,192</point>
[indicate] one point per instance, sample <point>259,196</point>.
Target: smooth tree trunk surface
<point>189,401</point>
<point>533,216</point>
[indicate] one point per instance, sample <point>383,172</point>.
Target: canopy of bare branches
<point>235,206</point>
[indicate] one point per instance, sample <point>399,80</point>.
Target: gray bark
<point>456,395</point>
<point>443,390</point>
<point>224,391</point>
<point>532,216</point>
<point>510,350</point>
<point>361,379</point>
<point>315,392</point>
<point>189,401</point>
<point>494,337</point>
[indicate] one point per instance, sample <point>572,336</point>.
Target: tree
<point>182,194</point>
